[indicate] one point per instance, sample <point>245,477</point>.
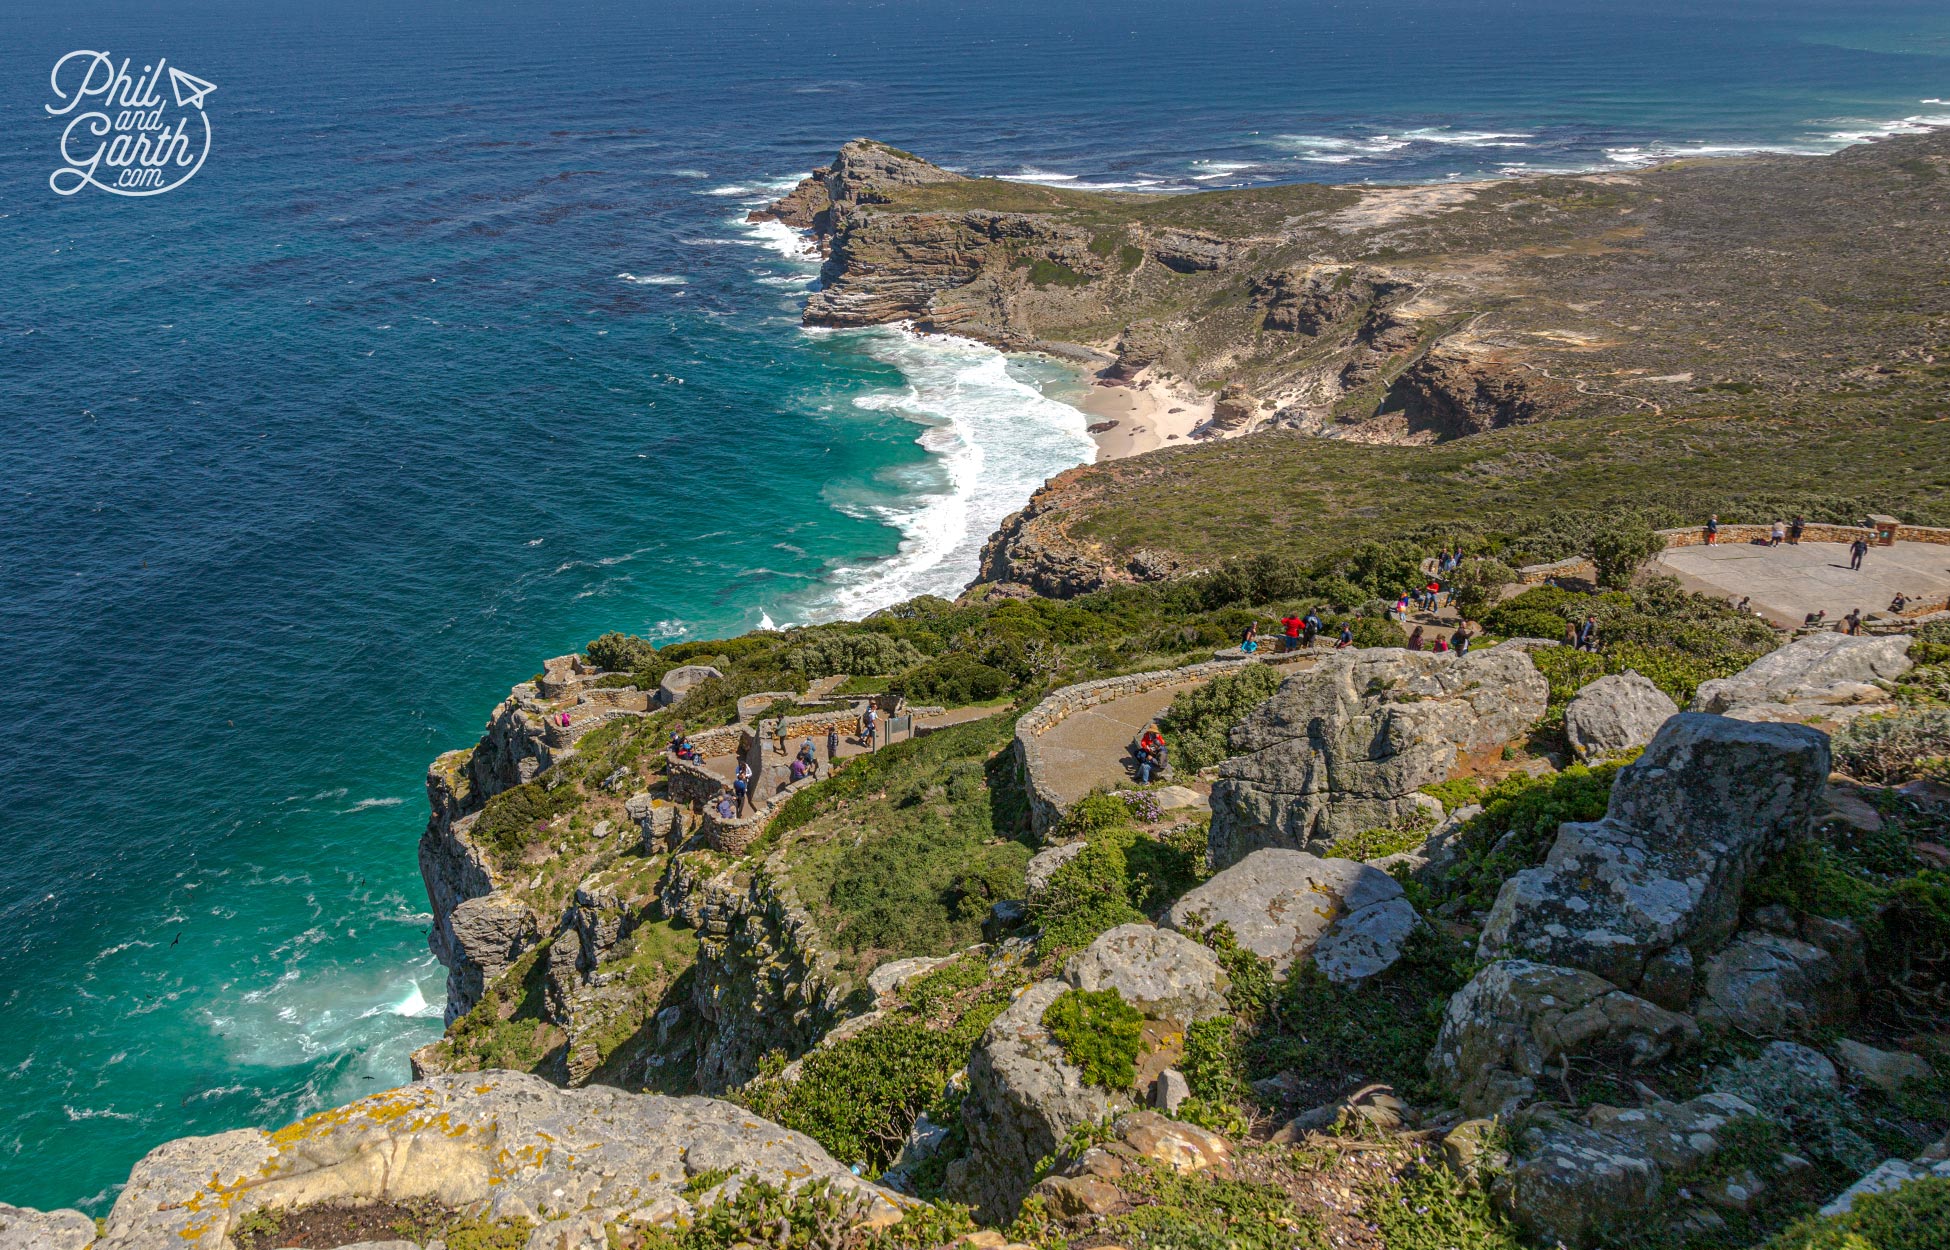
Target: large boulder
<point>1286,905</point>
<point>1345,746</point>
<point>1575,1181</point>
<point>1641,895</point>
<point>1165,975</point>
<point>1825,675</point>
<point>1023,1099</point>
<point>1515,1019</point>
<point>1771,985</point>
<point>490,933</point>
<point>502,1145</point>
<point>1615,714</point>
<point>23,1228</point>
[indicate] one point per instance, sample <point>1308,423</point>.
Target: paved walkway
<point>1090,750</point>
<point>1786,583</point>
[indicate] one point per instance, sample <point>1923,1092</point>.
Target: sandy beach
<point>1142,416</point>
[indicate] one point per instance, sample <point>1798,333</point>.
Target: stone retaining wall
<point>1060,705</point>
<point>691,782</point>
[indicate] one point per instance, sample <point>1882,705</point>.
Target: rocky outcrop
<point>1452,393</point>
<point>1317,298</point>
<point>1644,894</point>
<point>1772,985</point>
<point>487,934</point>
<point>23,1228</point>
<point>1577,1181</point>
<point>1235,409</point>
<point>762,983</point>
<point>1285,906</point>
<point>1829,676</point>
<point>1138,348</point>
<point>1189,251</point>
<point>1515,1020</point>
<point>1615,714</point>
<point>1024,1096</point>
<point>502,1145</point>
<point>859,174</point>
<point>1344,747</point>
<point>1030,548</point>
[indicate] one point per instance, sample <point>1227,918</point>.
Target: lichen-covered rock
<point>1770,985</point>
<point>1043,864</point>
<point>1286,905</point>
<point>1614,714</point>
<point>1886,1070</point>
<point>1023,1098</point>
<point>1821,675</point>
<point>1164,974</point>
<point>1345,746</point>
<point>501,1144</point>
<point>1573,1181</point>
<point>1515,1018</point>
<point>1687,824</point>
<point>23,1228</point>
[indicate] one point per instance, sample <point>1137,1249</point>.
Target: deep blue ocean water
<point>455,354</point>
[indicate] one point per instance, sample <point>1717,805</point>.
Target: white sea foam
<point>655,279</point>
<point>992,439</point>
<point>1468,138</point>
<point>794,245</point>
<point>733,189</point>
<point>368,804</point>
<point>1316,146</point>
<point>1029,173</point>
<point>688,173</point>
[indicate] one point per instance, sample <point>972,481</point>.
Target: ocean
<point>457,353</point>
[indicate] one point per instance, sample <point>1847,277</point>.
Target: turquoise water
<point>457,353</point>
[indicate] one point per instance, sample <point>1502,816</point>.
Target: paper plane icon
<point>189,89</point>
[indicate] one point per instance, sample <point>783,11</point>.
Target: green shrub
<point>1476,582</point>
<point>811,1218</point>
<point>1197,723</point>
<point>952,681</point>
<point>511,820</point>
<point>854,654</point>
<point>1910,1217</point>
<point>1894,747</point>
<point>1622,551</point>
<point>1531,808</point>
<point>1099,1033</point>
<point>1122,875</point>
<point>1203,1212</point>
<point>1380,1029</point>
<point>1431,1208</point>
<point>620,653</point>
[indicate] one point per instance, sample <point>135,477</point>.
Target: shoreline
<point>1142,415</point>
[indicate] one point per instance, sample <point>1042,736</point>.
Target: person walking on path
<point>1795,527</point>
<point>1712,529</point>
<point>832,747</point>
<point>778,734</point>
<point>1775,535</point>
<point>869,725</point>
<point>741,785</point>
<point>1292,625</point>
<point>1856,550</point>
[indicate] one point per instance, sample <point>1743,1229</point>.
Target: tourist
<point>810,754</point>
<point>724,805</point>
<point>1571,634</point>
<point>1441,645</point>
<point>1150,754</point>
<point>1312,622</point>
<point>869,723</point>
<point>741,785</point>
<point>1795,527</point>
<point>1401,609</point>
<point>1347,636</point>
<point>1712,529</point>
<point>1900,603</point>
<point>778,734</point>
<point>1775,535</point>
<point>1742,605</point>
<point>1434,589</point>
<point>832,745</point>
<point>1588,634</point>
<point>1249,641</point>
<point>1292,625</point>
<point>1852,623</point>
<point>1462,642</point>
<point>798,769</point>
<point>1856,550</point>
<point>1415,639</point>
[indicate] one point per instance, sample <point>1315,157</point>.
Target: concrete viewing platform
<point>1786,583</point>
